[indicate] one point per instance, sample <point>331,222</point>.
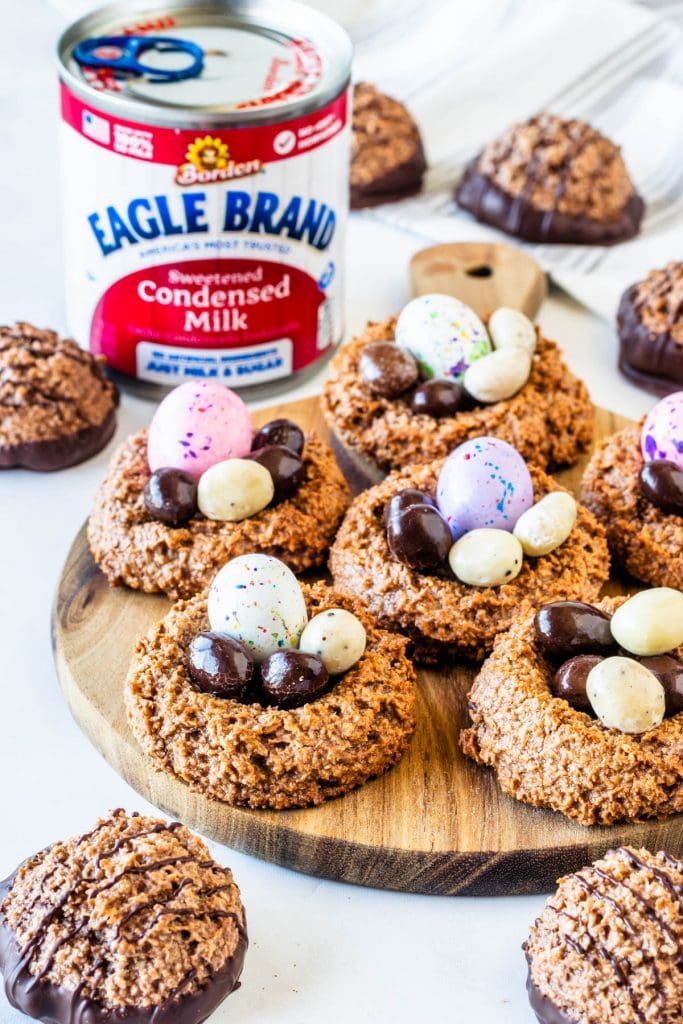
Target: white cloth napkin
<point>468,70</point>
<point>467,74</point>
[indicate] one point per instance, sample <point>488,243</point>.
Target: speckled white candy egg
<point>662,434</point>
<point>650,622</point>
<point>547,524</point>
<point>486,558</point>
<point>625,695</point>
<point>498,375</point>
<point>443,334</point>
<point>234,490</point>
<point>257,600</point>
<point>510,328</point>
<point>337,637</point>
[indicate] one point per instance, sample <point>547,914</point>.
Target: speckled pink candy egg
<point>483,483</point>
<point>662,436</point>
<point>196,426</point>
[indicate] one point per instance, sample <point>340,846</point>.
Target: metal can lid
<point>211,61</point>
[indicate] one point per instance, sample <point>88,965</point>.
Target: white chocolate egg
<point>510,328</point>
<point>547,524</point>
<point>486,558</point>
<point>650,622</point>
<point>443,334</point>
<point>335,636</point>
<point>625,695</point>
<point>257,600</point>
<point>498,375</point>
<point>234,490</point>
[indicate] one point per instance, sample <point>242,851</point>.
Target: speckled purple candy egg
<point>662,436</point>
<point>483,483</point>
<point>196,426</point>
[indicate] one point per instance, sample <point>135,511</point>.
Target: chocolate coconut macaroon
<point>553,180</point>
<point>650,325</point>
<point>131,921</point>
<point>58,406</point>
<point>607,945</point>
<point>387,158</point>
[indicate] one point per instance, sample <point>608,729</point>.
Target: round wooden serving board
<point>437,823</point>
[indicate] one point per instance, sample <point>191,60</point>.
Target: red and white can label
<point>205,253</point>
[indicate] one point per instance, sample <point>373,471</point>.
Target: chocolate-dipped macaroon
<point>607,945</point>
<point>553,180</point>
<point>650,325</point>
<point>387,158</point>
<point>132,921</point>
<point>58,406</point>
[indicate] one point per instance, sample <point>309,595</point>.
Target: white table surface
<point>319,950</point>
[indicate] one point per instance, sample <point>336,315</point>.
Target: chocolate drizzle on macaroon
<point>553,180</point>
<point>132,921</point>
<point>607,945</point>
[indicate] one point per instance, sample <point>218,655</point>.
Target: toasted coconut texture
<point>607,946</point>
<point>443,617</point>
<point>387,158</point>
<point>139,551</point>
<point>132,921</point>
<point>553,180</point>
<point>256,756</point>
<point>650,327</point>
<point>643,538</point>
<point>58,406</point>
<point>546,753</point>
<point>549,421</point>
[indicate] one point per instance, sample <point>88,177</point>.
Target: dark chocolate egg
<point>567,628</point>
<point>662,483</point>
<point>279,431</point>
<point>285,467</point>
<point>669,671</point>
<point>403,500</point>
<point>569,681</point>
<point>438,398</point>
<point>292,678</point>
<point>220,665</point>
<point>171,496</point>
<point>388,370</point>
<point>420,537</point>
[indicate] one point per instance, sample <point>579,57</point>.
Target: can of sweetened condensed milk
<point>205,167</point>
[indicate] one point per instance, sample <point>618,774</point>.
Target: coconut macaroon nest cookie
<point>553,180</point>
<point>132,921</point>
<point>650,326</point>
<point>58,406</point>
<point>271,693</point>
<point>387,157</point>
<point>607,945</point>
<point>634,485</point>
<point>411,388</point>
<point>580,708</point>
<point>448,553</point>
<point>201,486</point>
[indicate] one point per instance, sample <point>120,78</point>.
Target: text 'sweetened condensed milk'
<point>205,169</point>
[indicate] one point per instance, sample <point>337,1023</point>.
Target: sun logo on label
<point>208,159</point>
<point>208,154</point>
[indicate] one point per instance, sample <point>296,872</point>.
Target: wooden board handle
<point>484,275</point>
